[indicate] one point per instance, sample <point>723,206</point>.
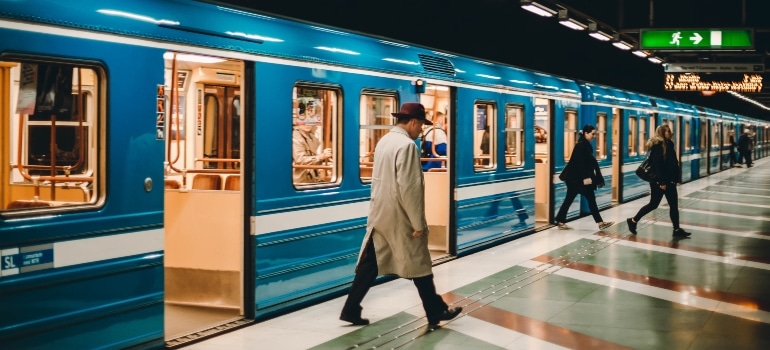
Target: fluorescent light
<point>655,60</point>
<point>191,58</point>
<point>594,32</point>
<point>641,53</point>
<point>537,9</point>
<point>622,45</point>
<point>599,35</point>
<point>570,23</point>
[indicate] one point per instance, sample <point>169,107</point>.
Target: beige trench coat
<point>397,208</point>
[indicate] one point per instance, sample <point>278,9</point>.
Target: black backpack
<point>425,151</point>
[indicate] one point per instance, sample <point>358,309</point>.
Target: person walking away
<point>582,176</point>
<point>665,167</point>
<point>396,240</point>
<point>744,147</point>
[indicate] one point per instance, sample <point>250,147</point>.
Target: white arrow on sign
<point>696,38</point>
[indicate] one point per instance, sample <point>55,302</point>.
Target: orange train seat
<point>233,183</point>
<point>207,182</point>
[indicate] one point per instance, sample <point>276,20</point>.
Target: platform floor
<point>579,289</point>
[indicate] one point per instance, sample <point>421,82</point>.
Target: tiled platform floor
<point>579,289</point>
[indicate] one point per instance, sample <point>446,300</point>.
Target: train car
<point>627,119</point>
<point>162,179</point>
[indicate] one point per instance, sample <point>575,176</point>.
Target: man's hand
<point>416,234</point>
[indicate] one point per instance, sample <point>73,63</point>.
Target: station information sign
<point>713,82</point>
<point>696,39</point>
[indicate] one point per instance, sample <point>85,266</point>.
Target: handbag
<point>644,171</point>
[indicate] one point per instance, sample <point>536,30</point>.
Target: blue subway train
<point>161,176</point>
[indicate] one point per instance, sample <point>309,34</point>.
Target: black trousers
<point>656,194</point>
<point>366,273</point>
<point>585,191</point>
<point>746,157</point>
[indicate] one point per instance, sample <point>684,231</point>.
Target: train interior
<point>203,200</point>
<point>616,159</point>
<point>543,116</point>
<point>438,108</point>
<point>40,121</point>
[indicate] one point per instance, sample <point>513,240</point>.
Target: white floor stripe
<point>732,203</point>
<point>714,230</point>
<point>689,254</point>
<point>665,294</point>
<point>714,213</point>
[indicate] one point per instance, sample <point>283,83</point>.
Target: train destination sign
<point>713,82</point>
<point>696,39</point>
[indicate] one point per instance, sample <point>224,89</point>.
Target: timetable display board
<point>720,82</point>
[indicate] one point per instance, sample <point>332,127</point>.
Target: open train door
<point>439,197</point>
<point>617,162</point>
<point>202,101</point>
<point>543,161</point>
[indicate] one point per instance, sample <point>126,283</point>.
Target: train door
<point>617,164</point>
<point>203,204</point>
<point>543,181</point>
<point>438,102</point>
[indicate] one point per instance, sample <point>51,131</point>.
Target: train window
<point>570,133</point>
<point>315,115</point>
<point>670,124</point>
<point>632,136</point>
<point>601,136</point>
<point>52,125</point>
<point>485,129</point>
<point>221,126</point>
<point>703,135</point>
<point>687,141</point>
<point>376,120</point>
<point>514,136</point>
<point>715,134</point>
<point>726,132</point>
<point>642,135</point>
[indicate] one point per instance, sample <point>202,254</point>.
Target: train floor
<point>580,288</point>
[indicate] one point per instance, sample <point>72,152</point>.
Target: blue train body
<point>97,274</point>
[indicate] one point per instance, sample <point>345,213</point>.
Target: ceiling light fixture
<point>537,8</point>
<point>594,32</point>
<point>570,23</point>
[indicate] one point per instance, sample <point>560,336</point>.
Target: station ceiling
<point>500,30</point>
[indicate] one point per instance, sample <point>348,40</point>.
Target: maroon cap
<point>412,110</point>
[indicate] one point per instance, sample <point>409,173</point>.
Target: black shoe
<point>356,321</point>
<point>447,315</point>
<point>631,225</point>
<point>681,233</point>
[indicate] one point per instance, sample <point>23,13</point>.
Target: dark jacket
<point>744,143</point>
<point>582,164</point>
<point>666,168</point>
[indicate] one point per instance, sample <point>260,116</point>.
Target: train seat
<point>207,182</point>
<point>20,204</point>
<point>233,183</point>
<point>170,184</point>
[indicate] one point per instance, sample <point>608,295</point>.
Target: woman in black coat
<point>582,175</point>
<point>666,171</point>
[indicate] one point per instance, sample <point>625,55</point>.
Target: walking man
<point>396,241</point>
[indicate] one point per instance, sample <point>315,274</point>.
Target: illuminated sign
<point>696,39</point>
<point>713,82</point>
<point>714,67</point>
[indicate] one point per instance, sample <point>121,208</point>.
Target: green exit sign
<point>696,39</point>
